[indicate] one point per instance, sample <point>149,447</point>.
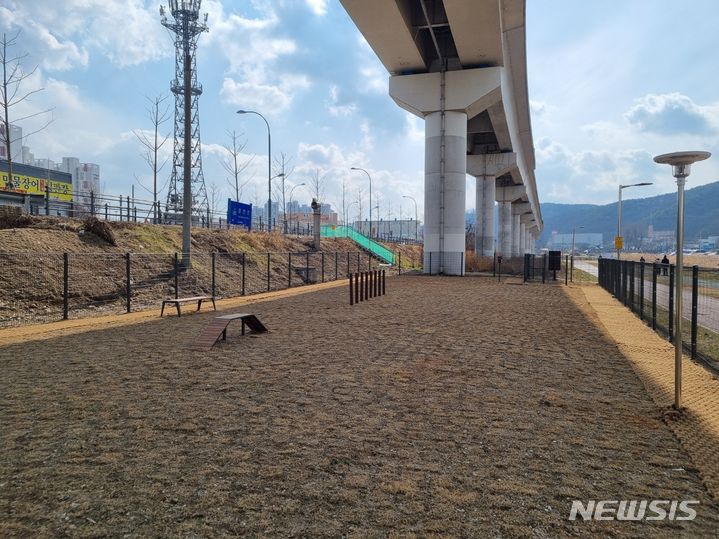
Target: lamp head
<point>681,161</point>
<point>354,168</point>
<point>241,112</point>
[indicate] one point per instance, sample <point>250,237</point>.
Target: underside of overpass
<point>461,65</point>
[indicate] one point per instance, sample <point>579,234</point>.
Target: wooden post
<point>352,301</point>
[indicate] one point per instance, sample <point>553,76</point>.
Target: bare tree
<point>317,185</point>
<point>214,192</point>
<point>158,112</point>
<point>234,164</point>
<point>360,194</point>
<point>11,93</point>
<point>283,169</point>
<point>344,200</point>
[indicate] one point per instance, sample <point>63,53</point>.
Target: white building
<point>15,143</point>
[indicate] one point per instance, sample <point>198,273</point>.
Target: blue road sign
<point>239,213</point>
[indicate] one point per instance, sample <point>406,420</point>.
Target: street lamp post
<point>291,190</point>
<point>370,198</point>
<point>415,215</point>
<point>681,163</point>
<point>619,215</point>
<point>269,166</point>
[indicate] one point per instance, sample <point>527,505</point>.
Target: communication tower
<point>186,29</point>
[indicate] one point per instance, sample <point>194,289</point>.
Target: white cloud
<point>589,176</point>
<point>670,114</point>
<point>253,48</point>
<point>414,128</point>
<point>373,79</point>
<point>63,33</point>
<point>258,94</point>
<point>335,108</point>
<point>318,7</point>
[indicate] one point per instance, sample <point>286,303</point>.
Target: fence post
<point>47,199</point>
<point>695,310</point>
<point>399,264</point>
<point>128,209</point>
<point>632,281</point>
<point>357,287</point>
<point>348,263</point>
<point>544,268</point>
<point>307,268</point>
<point>323,266</point>
<point>655,269</point>
<point>360,278</point>
<point>289,270</point>
<point>671,303</point>
<point>641,290</point>
<point>336,265</point>
<point>384,283</point>
<point>244,256</point>
<point>430,263</point>
<point>177,275</point>
<point>65,285</point>
<point>351,295</point>
<point>213,274</point>
<point>105,211</point>
<point>120,206</point>
<point>566,270</point>
<point>571,271</point>
<point>268,271</point>
<point>92,203</point>
<point>128,281</point>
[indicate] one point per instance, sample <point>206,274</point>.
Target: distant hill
<point>701,215</point>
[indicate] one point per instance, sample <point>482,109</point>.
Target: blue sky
<point>611,84</point>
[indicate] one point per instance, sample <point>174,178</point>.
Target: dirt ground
<point>450,407</point>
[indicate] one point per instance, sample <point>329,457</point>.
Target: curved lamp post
<point>370,199</point>
<point>619,213</point>
<point>681,163</point>
<point>291,190</point>
<point>269,166</point>
<point>415,215</point>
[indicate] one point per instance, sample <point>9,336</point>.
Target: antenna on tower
<point>186,193</point>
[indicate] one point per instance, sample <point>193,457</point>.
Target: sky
<point>611,84</point>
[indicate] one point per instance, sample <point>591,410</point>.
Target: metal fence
<point>648,290</point>
<point>132,209</point>
<point>44,287</point>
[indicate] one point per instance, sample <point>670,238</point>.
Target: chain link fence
<point>55,286</point>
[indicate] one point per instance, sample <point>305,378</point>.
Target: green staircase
<point>341,231</point>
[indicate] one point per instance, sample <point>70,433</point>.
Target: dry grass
<point>414,414</point>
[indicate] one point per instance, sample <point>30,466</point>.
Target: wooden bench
<point>218,328</point>
<point>178,301</point>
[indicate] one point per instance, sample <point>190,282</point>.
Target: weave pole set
<point>367,285</point>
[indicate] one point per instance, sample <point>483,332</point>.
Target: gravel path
<point>450,407</point>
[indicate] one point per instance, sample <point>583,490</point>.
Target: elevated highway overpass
<point>461,66</point>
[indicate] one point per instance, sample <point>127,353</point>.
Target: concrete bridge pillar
<point>486,168</point>
<point>516,223</point>
<point>504,238</point>
<point>444,196</point>
<point>522,238</point>
<point>445,101</point>
<point>484,228</point>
